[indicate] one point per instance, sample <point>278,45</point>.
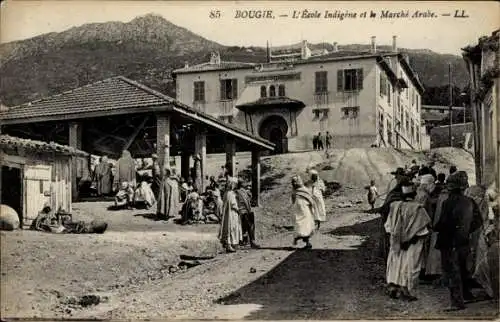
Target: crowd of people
<point>435,228</point>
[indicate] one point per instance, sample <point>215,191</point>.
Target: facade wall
<point>325,112</point>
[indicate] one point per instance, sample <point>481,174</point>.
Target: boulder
<point>9,219</point>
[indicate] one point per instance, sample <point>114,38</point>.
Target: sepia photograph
<point>249,160</point>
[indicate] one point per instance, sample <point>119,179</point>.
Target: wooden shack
<point>34,173</point>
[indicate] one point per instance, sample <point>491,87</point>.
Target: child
<point>372,193</point>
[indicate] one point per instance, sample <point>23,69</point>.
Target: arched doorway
<point>274,129</point>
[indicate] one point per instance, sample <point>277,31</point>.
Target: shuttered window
<point>350,80</point>
<point>199,91</point>
<point>228,89</point>
<point>321,82</point>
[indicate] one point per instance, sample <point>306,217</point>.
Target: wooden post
<point>75,141</point>
<point>200,145</point>
<point>185,164</point>
<point>163,140</point>
<point>231,155</point>
<point>256,178</point>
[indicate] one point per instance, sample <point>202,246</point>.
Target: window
<point>281,90</point>
<point>321,82</point>
<point>351,112</point>
<point>316,114</point>
<point>228,89</point>
<point>272,91</point>
<point>383,84</point>
<point>263,91</point>
<point>199,91</point>
<point>350,80</point>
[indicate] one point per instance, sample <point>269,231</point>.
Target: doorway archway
<point>274,129</point>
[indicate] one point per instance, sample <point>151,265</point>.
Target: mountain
<point>145,49</point>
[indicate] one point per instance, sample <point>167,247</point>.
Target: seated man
<point>192,209</point>
<point>125,196</point>
<point>144,195</point>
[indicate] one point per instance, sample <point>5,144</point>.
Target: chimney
<point>268,53</point>
<point>394,44</point>
<point>186,64</point>
<point>335,47</point>
<point>374,44</point>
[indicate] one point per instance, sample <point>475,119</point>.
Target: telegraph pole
<point>451,104</point>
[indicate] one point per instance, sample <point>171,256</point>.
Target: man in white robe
<point>407,225</point>
<point>304,209</point>
<point>317,187</point>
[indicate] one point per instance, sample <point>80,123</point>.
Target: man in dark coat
<point>247,216</point>
<point>459,218</point>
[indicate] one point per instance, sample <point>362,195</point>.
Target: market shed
<point>35,172</point>
<point>116,114</point>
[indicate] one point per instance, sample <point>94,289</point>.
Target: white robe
<point>404,266</point>
<point>318,188</point>
<point>303,209</point>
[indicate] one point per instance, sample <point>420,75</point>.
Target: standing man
<point>246,214</point>
<point>394,195</point>
<point>328,140</point>
<point>102,175</point>
<point>459,218</point>
<point>315,142</point>
<point>125,171</point>
<point>318,189</point>
<point>156,173</point>
<point>320,141</point>
<point>168,199</point>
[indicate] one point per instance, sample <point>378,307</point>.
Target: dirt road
<point>133,266</point>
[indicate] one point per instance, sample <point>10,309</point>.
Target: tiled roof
<point>109,94</point>
<point>223,65</point>
<point>115,94</point>
<point>7,141</point>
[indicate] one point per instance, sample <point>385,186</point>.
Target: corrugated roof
<point>223,65</point>
<point>109,94</point>
<point>7,141</point>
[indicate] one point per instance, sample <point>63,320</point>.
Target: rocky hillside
<point>145,49</point>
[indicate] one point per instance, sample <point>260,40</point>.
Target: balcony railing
<point>351,98</point>
<point>200,106</point>
<point>226,107</point>
<point>321,99</point>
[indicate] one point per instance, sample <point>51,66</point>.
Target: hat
<point>154,156</point>
<point>399,171</point>
<point>313,172</point>
<point>458,181</point>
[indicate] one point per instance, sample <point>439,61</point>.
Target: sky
<point>443,34</point>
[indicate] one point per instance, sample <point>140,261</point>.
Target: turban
<point>313,172</point>
<point>297,180</point>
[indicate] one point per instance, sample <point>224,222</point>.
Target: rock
<point>9,219</point>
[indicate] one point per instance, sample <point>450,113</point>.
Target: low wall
<point>460,134</point>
